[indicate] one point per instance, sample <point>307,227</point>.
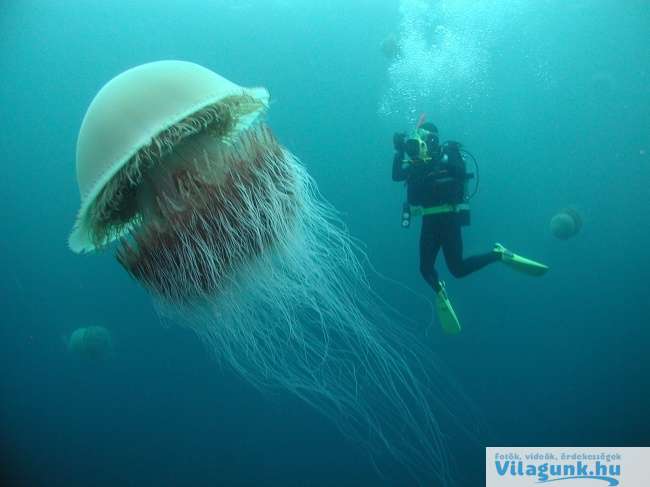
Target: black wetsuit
<point>437,182</point>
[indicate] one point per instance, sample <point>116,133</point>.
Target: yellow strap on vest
<point>435,210</point>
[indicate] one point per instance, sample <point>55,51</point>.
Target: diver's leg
<point>519,263</point>
<point>431,239</point>
<point>429,248</point>
<point>452,247</point>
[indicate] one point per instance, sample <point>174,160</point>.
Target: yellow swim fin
<point>519,263</point>
<point>445,311</point>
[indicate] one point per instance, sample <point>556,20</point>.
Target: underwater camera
<point>414,147</point>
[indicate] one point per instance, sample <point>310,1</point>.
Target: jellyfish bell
<point>129,125</point>
<point>390,47</point>
<point>91,343</point>
<point>227,231</point>
<point>566,224</point>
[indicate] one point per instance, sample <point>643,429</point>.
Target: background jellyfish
<point>390,47</point>
<point>225,229</point>
<point>90,343</point>
<point>566,224</point>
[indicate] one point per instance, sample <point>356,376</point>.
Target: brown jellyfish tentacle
<point>208,191</point>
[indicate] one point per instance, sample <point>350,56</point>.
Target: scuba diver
<point>437,181</point>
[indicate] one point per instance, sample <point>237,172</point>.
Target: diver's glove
<point>399,142</point>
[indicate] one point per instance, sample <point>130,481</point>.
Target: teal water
<point>553,98</point>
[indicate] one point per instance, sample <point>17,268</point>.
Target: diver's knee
<point>457,271</point>
<point>425,275</point>
<point>428,275</point>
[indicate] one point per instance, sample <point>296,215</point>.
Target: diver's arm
<point>400,168</point>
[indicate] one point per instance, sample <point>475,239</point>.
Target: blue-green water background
<point>564,120</point>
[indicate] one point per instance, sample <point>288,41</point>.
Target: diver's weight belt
<point>436,210</point>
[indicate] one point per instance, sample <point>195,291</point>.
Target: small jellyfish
<point>91,343</point>
<point>566,224</point>
<point>390,48</point>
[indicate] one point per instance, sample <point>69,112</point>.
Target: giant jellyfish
<point>226,230</point>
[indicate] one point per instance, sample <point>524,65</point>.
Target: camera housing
<point>414,147</point>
